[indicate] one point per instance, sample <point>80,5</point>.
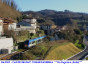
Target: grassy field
<point>41,50</point>
<point>62,52</point>
<point>55,50</point>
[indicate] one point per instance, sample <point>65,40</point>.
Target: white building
<point>45,27</point>
<point>64,27</point>
<point>8,24</point>
<point>28,24</point>
<point>30,29</point>
<point>1,26</point>
<point>12,26</point>
<point>33,23</point>
<point>6,45</point>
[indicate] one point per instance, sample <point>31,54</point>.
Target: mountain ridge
<point>58,17</point>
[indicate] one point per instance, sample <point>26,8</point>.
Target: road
<point>81,55</point>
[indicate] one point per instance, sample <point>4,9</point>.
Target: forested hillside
<point>8,9</point>
<point>59,17</point>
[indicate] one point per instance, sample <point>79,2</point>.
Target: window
<point>3,51</point>
<point>33,42</point>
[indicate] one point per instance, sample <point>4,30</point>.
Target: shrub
<point>28,56</point>
<point>39,50</point>
<point>23,32</point>
<point>81,46</point>
<point>77,31</point>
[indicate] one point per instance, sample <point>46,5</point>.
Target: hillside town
<point>15,36</point>
<point>7,24</point>
<point>10,29</point>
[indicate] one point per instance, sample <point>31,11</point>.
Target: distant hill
<point>47,12</point>
<point>58,17</point>
<point>65,13</point>
<point>7,11</point>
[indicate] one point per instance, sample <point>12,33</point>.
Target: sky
<point>59,5</point>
